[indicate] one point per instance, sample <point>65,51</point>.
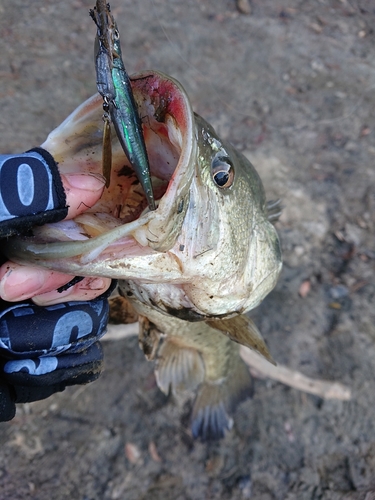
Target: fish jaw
<point>168,126</point>
<point>76,144</point>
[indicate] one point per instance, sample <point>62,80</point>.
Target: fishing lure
<point>118,102</point>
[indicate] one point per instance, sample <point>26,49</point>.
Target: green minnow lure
<point>119,105</point>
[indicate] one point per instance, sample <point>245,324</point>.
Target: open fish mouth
<point>120,223</point>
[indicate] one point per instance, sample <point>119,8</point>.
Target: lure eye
<point>222,172</point>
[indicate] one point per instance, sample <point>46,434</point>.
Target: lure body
<point>118,102</point>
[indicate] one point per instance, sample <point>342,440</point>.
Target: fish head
<point>208,250</point>
<point>227,245</point>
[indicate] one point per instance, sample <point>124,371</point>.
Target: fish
<point>196,357</point>
<point>194,267</point>
<point>118,101</point>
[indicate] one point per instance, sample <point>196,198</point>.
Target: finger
<point>87,289</point>
<point>82,191</point>
<point>22,282</point>
<point>18,282</point>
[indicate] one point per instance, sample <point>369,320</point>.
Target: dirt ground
<point>292,85</point>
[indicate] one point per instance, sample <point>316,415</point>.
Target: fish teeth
<point>174,133</point>
<point>141,237</point>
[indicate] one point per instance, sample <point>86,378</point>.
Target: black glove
<point>31,192</point>
<point>42,349</point>
<point>45,349</point>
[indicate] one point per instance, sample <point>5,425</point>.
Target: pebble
<point>244,7</point>
<point>338,292</point>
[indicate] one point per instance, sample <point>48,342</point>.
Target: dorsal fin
<point>274,210</point>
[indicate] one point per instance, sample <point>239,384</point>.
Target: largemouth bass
<point>208,254</point>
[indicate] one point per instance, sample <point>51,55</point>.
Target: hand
<point>44,349</point>
<point>68,196</point>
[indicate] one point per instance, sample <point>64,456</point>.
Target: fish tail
<point>216,401</point>
<point>178,368</point>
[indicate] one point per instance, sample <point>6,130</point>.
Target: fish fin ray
<point>148,338</point>
<point>243,330</point>
<point>211,422</point>
<point>274,210</point>
<point>178,368</point>
<point>121,311</point>
<point>216,401</point>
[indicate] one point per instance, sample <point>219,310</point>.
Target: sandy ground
<point>292,85</point>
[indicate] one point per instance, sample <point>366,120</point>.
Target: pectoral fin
<point>121,311</point>
<point>242,330</point>
<point>148,338</point>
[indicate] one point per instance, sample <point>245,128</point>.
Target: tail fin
<point>216,401</point>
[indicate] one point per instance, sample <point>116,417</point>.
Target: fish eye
<point>222,171</point>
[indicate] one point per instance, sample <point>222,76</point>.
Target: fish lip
<point>168,97</point>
